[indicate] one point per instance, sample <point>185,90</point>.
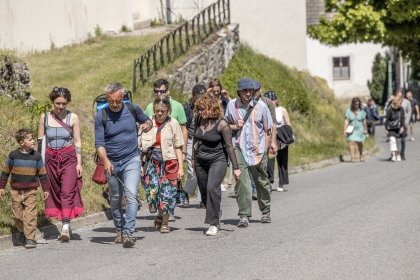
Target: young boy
<point>27,169</point>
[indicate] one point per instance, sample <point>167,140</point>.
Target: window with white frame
<point>341,68</point>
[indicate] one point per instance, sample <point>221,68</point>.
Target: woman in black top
<point>212,143</point>
<point>394,127</point>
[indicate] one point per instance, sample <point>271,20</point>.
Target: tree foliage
<point>393,23</point>
<point>377,86</point>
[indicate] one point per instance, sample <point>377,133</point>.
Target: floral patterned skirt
<point>161,193</point>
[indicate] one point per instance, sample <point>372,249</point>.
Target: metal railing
<point>178,41</point>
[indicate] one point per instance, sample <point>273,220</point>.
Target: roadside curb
<point>329,162</point>
<point>8,241</point>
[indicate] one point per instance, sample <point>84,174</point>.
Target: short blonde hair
<point>396,102</point>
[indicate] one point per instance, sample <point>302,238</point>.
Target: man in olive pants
<point>251,121</point>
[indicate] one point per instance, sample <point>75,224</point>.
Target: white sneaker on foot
<point>412,139</point>
<point>223,187</point>
<point>398,158</point>
<point>280,189</point>
<point>393,159</point>
<point>212,231</point>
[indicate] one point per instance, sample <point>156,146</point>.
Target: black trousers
<point>210,171</point>
<point>282,162</point>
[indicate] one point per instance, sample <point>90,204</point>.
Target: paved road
<point>348,221</point>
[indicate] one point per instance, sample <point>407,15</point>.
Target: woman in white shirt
<point>282,118</point>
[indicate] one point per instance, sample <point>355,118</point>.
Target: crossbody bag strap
<point>63,124</point>
<point>163,124</point>
<point>249,111</point>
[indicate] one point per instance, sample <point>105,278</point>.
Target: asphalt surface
<point>348,221</point>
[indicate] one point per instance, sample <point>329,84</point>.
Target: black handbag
<point>394,124</point>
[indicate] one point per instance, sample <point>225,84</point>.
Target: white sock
<point>66,227</point>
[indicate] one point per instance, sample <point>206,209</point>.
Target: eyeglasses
<point>201,109</point>
<point>162,91</point>
<point>63,90</point>
<point>110,101</point>
<point>159,100</point>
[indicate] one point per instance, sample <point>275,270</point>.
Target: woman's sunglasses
<point>164,101</point>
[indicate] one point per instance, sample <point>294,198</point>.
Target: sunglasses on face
<point>164,101</point>
<point>118,102</point>
<point>162,91</point>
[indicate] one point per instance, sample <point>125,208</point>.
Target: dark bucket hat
<point>245,83</point>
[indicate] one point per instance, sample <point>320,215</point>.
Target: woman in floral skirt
<point>162,154</point>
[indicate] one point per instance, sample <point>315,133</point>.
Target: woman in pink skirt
<point>63,161</point>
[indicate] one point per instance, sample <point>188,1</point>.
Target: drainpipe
<point>168,12</point>
<point>390,73</point>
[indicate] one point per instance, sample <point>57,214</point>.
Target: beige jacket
<point>170,139</point>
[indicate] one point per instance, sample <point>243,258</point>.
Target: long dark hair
<point>353,101</point>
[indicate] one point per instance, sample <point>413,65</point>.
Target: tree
<point>377,86</point>
<point>393,23</point>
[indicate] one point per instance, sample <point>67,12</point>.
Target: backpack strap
<point>130,107</point>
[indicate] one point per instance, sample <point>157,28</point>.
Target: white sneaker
<point>398,158</point>
<point>412,139</point>
<point>213,231</point>
<point>223,187</point>
<point>393,159</point>
<point>280,189</point>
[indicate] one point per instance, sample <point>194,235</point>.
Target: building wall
<point>276,28</point>
<point>29,25</point>
<point>361,61</point>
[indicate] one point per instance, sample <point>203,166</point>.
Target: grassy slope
<point>317,118</point>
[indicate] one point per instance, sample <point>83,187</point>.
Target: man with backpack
<point>250,120</point>
<point>117,147</point>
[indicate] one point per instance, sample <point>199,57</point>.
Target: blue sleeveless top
<point>57,137</point>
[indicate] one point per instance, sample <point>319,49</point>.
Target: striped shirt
<point>251,138</point>
<point>27,171</point>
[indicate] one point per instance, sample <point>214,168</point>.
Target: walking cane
<point>136,198</point>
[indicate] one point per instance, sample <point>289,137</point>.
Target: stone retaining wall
<point>212,60</point>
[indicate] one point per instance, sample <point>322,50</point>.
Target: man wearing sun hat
<point>252,143</point>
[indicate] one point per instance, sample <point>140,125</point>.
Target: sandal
<point>165,229</point>
<point>158,222</point>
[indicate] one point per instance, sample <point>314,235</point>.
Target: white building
<point>346,68</point>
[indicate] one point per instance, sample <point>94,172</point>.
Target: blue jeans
<point>128,172</point>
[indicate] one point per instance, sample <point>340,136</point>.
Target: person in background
<point>372,116</point>
<point>415,114</point>
<point>281,118</point>
<point>394,127</point>
<point>197,92</point>
<point>162,154</point>
<point>252,143</point>
<point>273,140</point>
<point>27,171</point>
<point>216,89</point>
<point>161,87</point>
<point>212,145</point>
<point>356,118</point>
<point>63,161</point>
<point>365,103</point>
<point>406,105</point>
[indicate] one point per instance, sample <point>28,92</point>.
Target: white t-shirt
<point>279,117</point>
